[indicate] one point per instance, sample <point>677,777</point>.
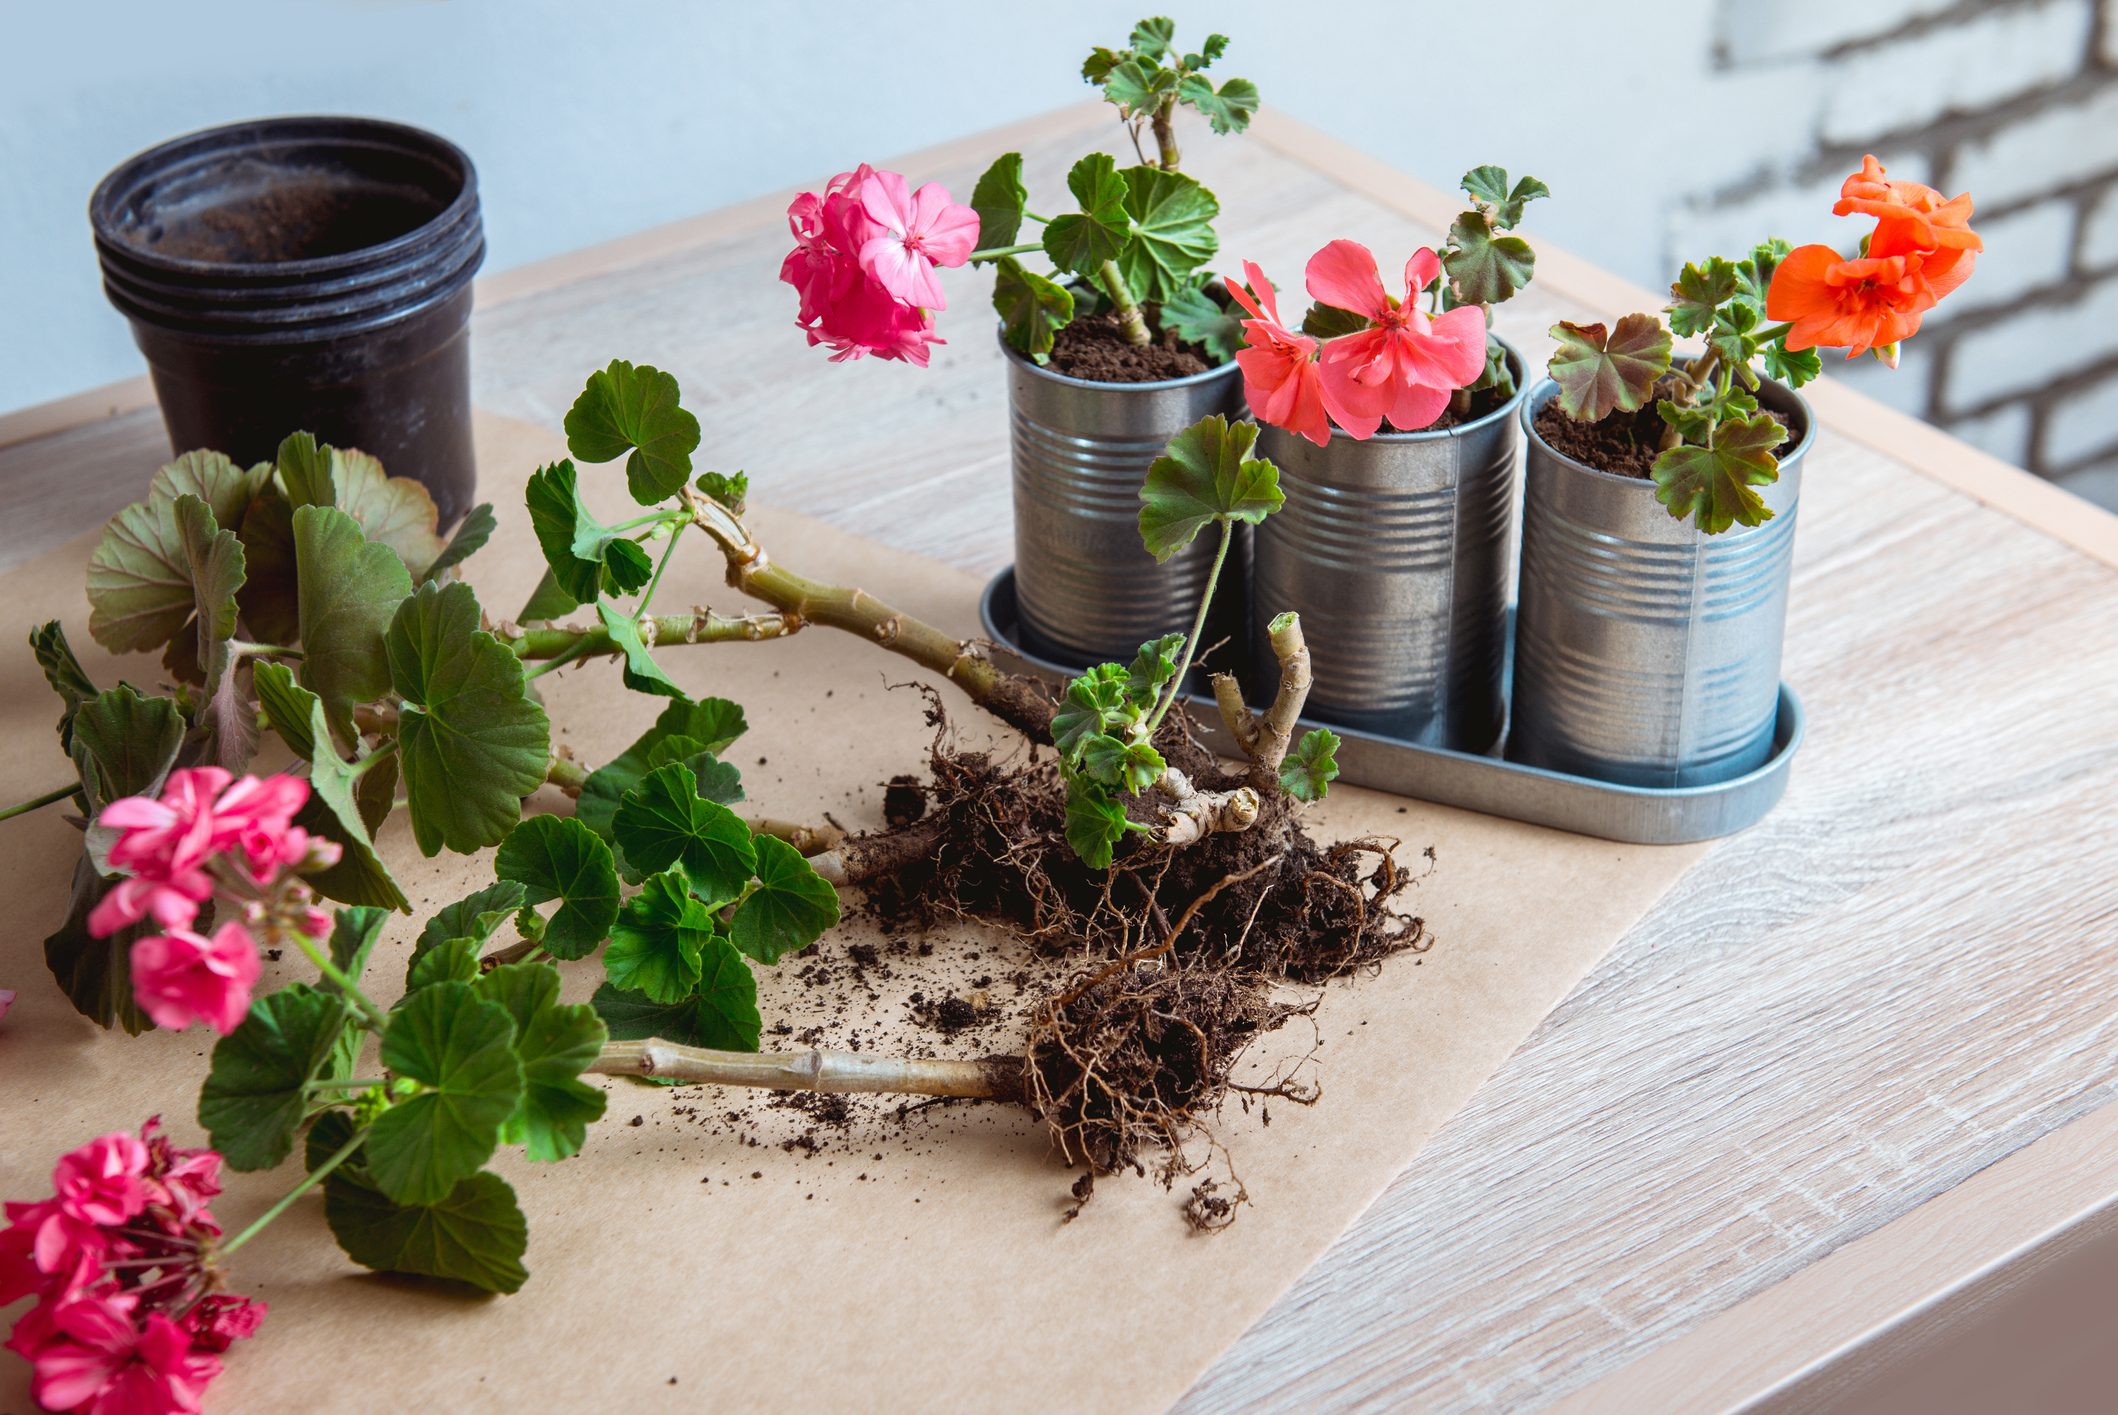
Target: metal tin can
<point>1396,552</point>
<point>1646,652</point>
<point>1089,591</point>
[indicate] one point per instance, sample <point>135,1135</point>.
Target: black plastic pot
<point>304,273</point>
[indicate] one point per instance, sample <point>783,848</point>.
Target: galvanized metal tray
<point>1640,815</point>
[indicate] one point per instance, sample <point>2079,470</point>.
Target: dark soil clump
<point>1094,347</point>
<point>1622,443</point>
<point>904,801</point>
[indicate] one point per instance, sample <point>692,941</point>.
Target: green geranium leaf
<point>1081,241</point>
<point>455,960</point>
<point>305,471</point>
<point>350,588</point>
<point>1228,108</point>
<point>339,796</point>
<point>1152,668</point>
<point>1329,322</point>
<point>655,943</point>
<point>476,529</point>
<point>547,601</point>
<point>663,822</point>
<point>1308,771</point>
<point>477,916</point>
<point>1137,85</point>
<point>1206,475</point>
<point>641,673</point>
<point>722,1013</point>
<point>1754,273</point>
<point>1094,823</point>
<point>1193,315</point>
<point>713,723</point>
<point>1713,484</point>
<point>472,742</point>
<point>1171,234</point>
<point>394,511</point>
<point>1100,61</point>
<point>1488,186</point>
<point>65,674</point>
<point>586,557</point>
<point>556,857</point>
<point>627,408</point>
<point>354,934</point>
<point>124,743</point>
<point>1791,367</point>
<point>1483,268</point>
<point>999,200</point>
<point>255,1094</point>
<point>213,559</point>
<point>141,591</point>
<point>1692,423</point>
<point>789,908</point>
<point>556,1042</point>
<point>476,1234</point>
<point>718,780</point>
<point>731,490</point>
<point>1094,703</point>
<point>1697,293</point>
<point>1600,371</point>
<point>271,595</point>
<point>460,1048</point>
<point>1123,765</point>
<point>95,973</point>
<point>1032,309</point>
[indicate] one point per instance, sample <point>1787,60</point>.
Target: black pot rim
<point>1544,389</point>
<point>195,146</point>
<point>1189,380</point>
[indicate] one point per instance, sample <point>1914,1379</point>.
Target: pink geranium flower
<point>255,817</point>
<point>172,905</point>
<point>170,836</point>
<point>181,977</point>
<point>90,1356</point>
<point>1404,368</point>
<point>920,230</point>
<point>843,306</point>
<point>1280,374</point>
<point>101,1183</point>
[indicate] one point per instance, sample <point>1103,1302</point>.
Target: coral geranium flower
<point>1281,378</point>
<point>1913,218</point>
<point>1406,366</point>
<point>1872,302</point>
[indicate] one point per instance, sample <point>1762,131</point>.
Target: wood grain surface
<point>1901,977</point>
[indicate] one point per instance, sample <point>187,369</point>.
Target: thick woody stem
<point>1276,727</point>
<point>1166,133</point>
<point>1015,700</point>
<point>993,1078</point>
<point>809,839</point>
<point>1192,814</point>
<point>701,626</point>
<point>1236,716</point>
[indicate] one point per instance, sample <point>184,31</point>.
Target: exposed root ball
<point>1133,1061</point>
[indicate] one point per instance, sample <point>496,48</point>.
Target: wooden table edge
<point>1887,1292</point>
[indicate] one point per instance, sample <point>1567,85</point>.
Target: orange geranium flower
<point>1921,249</point>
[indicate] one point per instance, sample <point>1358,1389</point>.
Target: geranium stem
<point>1123,304</point>
<point>1198,628</point>
<point>701,626</point>
<point>1166,133</point>
<point>996,252</point>
<point>309,1181</point>
<point>375,1015</point>
<point>998,1078</point>
<point>51,797</point>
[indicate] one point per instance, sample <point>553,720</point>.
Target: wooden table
<point>1852,1075</point>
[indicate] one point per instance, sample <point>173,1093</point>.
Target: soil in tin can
<point>1094,347</point>
<point>1620,442</point>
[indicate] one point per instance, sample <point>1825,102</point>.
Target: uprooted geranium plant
<point>312,598</point>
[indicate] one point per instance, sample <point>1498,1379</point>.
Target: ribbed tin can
<point>1646,652</point>
<point>1396,552</point>
<point>1089,591</point>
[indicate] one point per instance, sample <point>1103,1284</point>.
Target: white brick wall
<point>2035,347</point>
<point>2056,148</point>
<point>2099,232</point>
<point>2006,51</point>
<point>2030,250</point>
<point>2083,424</point>
<point>2006,433</point>
<point>1799,211</point>
<point>1754,32</point>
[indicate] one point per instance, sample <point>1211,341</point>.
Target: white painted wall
<point>1658,123</point>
